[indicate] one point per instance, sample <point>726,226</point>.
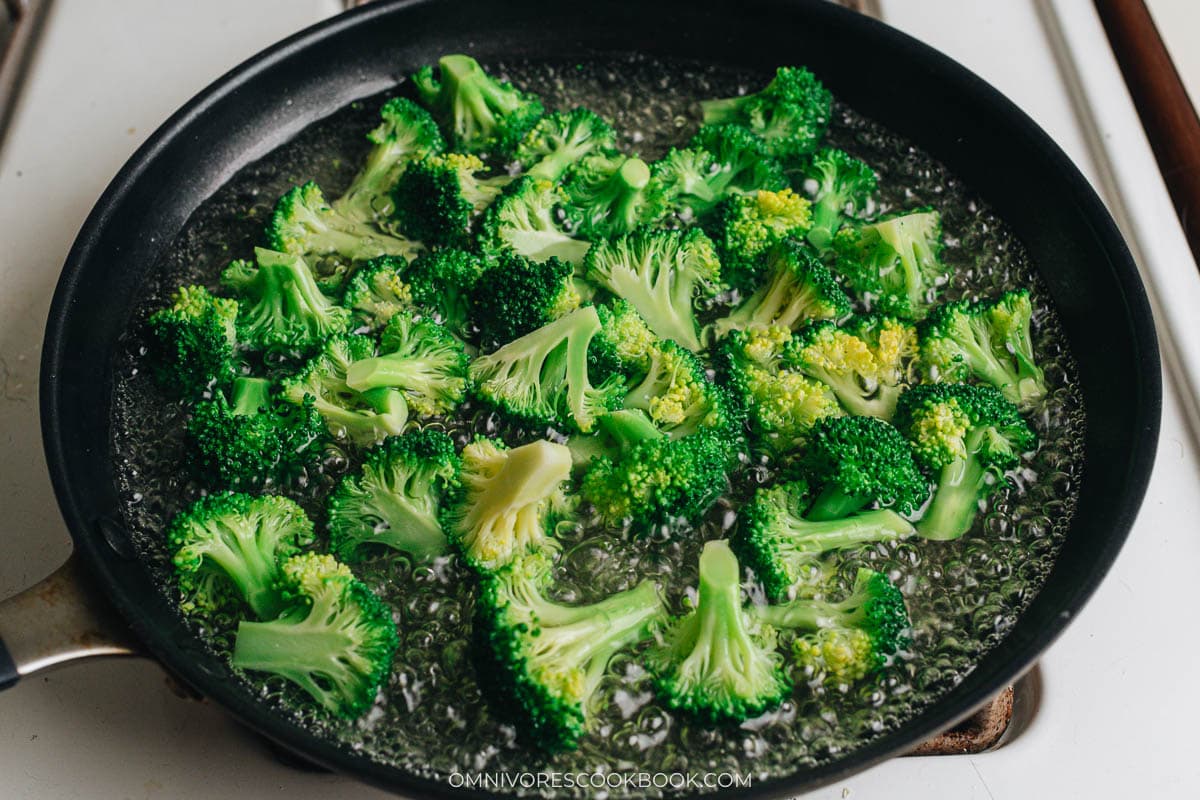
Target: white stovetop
<point>1119,704</point>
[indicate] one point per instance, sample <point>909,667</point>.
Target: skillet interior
<point>952,115</point>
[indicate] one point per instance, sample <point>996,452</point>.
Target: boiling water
<point>963,596</point>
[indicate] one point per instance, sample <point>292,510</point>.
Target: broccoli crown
<point>420,357</point>
<point>545,660</point>
<point>509,501</point>
<point>749,225</point>
<point>740,161</point>
<point>542,377</point>
<point>527,220</point>
<point>841,182</point>
<point>303,224</point>
<point>516,296</point>
<point>791,113</point>
<point>716,662</point>
<point>611,195</point>
<point>679,396</point>
<point>858,461</point>
<point>562,139</point>
<point>798,288</point>
<point>406,132</point>
<point>377,291</point>
<point>442,281</point>
<point>194,341</point>
<point>782,546</point>
<point>895,262</point>
<point>395,500</point>
<point>989,340</point>
<point>481,114</point>
<point>438,198</point>
<point>624,342</point>
<point>659,273</point>
<point>336,642</point>
<point>865,362</point>
<point>363,418</point>
<point>228,547</point>
<point>255,438</point>
<point>691,178</point>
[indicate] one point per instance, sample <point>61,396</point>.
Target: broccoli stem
<point>956,501</point>
<point>834,504</point>
<point>723,110</point>
<point>400,372</point>
<point>826,217</point>
<point>405,528</point>
<point>250,396</point>
<point>807,615</point>
<point>629,427</point>
<point>822,536</point>
<point>288,646</point>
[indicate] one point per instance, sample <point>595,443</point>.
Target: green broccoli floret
<point>303,224</point>
<point>405,133</point>
<point>791,113</point>
<point>717,662</point>
<point>544,660</point>
<point>336,642</point>
<point>988,340</point>
<point>363,418</point>
<point>421,358</point>
<point>968,436</point>
<point>857,461</point>
<point>749,226</point>
<point>395,500</point>
<point>737,163</point>
<point>797,288</point>
<point>611,195</point>
<point>543,376</point>
<point>516,296</point>
<point>561,140</point>
<point>439,198</point>
<point>443,281</point>
<point>230,546</point>
<point>659,273</point>
<point>480,113</point>
<point>777,540</point>
<point>377,292</point>
<point>623,343</point>
<point>679,396</point>
<point>194,341</point>
<point>894,263</point>
<point>840,182</point>
<point>527,220</point>
<point>255,438</point>
<point>849,639</point>
<point>509,501</point>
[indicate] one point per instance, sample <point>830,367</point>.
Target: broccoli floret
<point>717,662</point>
<point>720,160</point>
<point>480,113</point>
<point>405,133</point>
<point>894,263</point>
<point>659,273</point>
<point>230,546</point>
<point>612,195</point>
<point>857,461</point>
<point>748,226</point>
<point>543,376</point>
<point>419,357</point>
<point>255,438</point>
<point>527,220</point>
<point>988,340</point>
<point>516,296</point>
<point>443,281</point>
<point>866,362</point>
<point>791,113</point>
<point>395,500</point>
<point>336,642</point>
<point>439,198</point>
<point>840,182</point>
<point>798,288</point>
<point>303,224</point>
<point>509,501</point>
<point>783,546</point>
<point>624,342</point>
<point>194,341</point>
<point>849,639</point>
<point>563,139</point>
<point>968,436</point>
<point>377,292</point>
<point>679,396</point>
<point>545,660</point>
<point>363,418</point>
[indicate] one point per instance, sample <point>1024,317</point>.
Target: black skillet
<point>922,95</point>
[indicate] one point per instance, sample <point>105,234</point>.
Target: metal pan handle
<point>62,619</point>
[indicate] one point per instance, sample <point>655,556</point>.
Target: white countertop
<point>1118,704</point>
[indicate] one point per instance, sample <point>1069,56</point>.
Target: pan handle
<point>62,619</point>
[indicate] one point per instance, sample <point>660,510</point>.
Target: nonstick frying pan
<point>920,94</point>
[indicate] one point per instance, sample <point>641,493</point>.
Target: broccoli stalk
<point>303,224</point>
<point>790,113</point>
<point>561,140</point>
<point>195,341</point>
<point>842,182</point>
<point>894,262</point>
<point>610,196</point>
